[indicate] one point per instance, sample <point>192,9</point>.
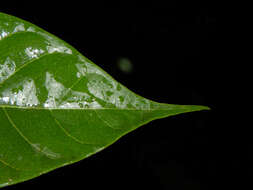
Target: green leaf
<point>56,106</point>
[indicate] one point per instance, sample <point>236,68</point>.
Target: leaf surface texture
<point>56,106</point>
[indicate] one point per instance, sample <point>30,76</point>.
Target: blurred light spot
<point>125,65</point>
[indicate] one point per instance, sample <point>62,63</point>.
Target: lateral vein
<point>21,134</point>
<point>104,121</point>
<point>9,165</point>
<point>66,132</point>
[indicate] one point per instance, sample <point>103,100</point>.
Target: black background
<point>175,52</point>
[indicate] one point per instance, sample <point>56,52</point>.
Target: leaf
<point>56,106</point>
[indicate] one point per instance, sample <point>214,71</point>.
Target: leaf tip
<point>200,108</point>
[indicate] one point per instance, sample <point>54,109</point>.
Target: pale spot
<point>55,45</point>
<point>78,75</point>
<point>82,70</point>
<point>55,91</point>
<point>26,96</point>
<point>7,69</point>
<point>4,34</point>
<point>50,154</point>
<point>19,28</point>
<point>6,99</point>
<point>46,151</point>
<point>72,99</point>
<point>33,52</point>
<point>82,59</point>
<point>69,105</point>
<point>60,49</point>
<point>31,29</point>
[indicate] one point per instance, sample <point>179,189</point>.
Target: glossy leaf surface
<point>56,106</point>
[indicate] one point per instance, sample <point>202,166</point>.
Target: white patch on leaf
<point>24,96</point>
<point>7,69</point>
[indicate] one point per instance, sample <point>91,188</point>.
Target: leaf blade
<point>57,107</point>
